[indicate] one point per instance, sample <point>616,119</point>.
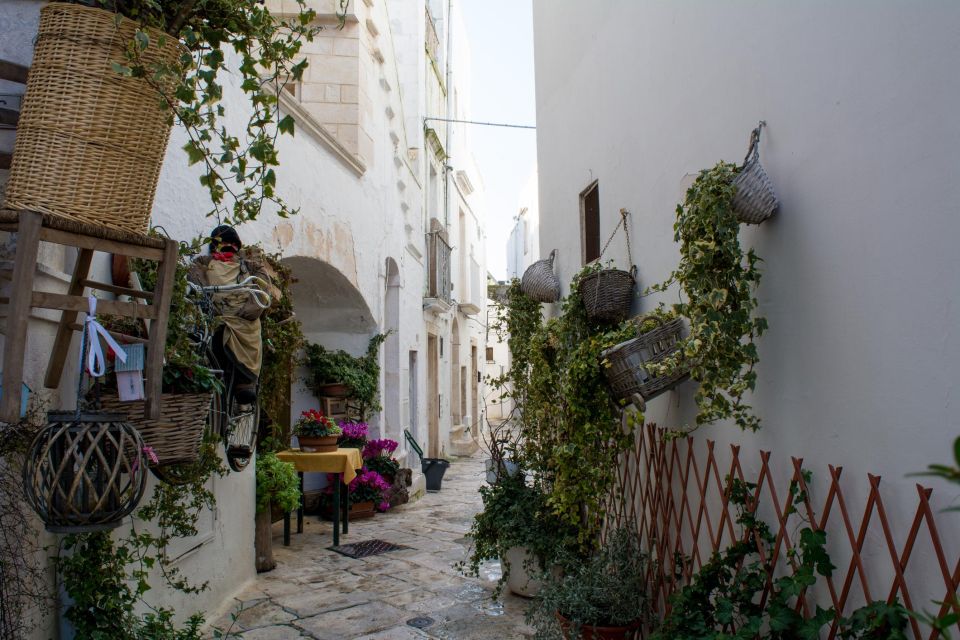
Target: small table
<point>343,462</point>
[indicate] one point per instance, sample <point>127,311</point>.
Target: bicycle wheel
<point>240,425</point>
<point>184,473</point>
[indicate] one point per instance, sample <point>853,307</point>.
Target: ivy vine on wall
<point>719,283</point>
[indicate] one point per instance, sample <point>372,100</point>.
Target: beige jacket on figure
<point>238,312</point>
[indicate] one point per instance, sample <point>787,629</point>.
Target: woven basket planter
<point>90,142</point>
<point>755,199</point>
<point>608,294</point>
<point>540,282</point>
<point>177,435</point>
<point>85,472</point>
<point>627,373</point>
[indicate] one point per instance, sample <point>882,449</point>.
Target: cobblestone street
<point>317,593</point>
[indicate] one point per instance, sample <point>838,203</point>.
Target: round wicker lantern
<point>85,472</point>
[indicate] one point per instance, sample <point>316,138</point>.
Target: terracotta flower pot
<point>591,632</point>
<point>317,444</point>
<point>333,390</point>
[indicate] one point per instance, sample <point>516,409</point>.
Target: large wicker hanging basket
<point>608,294</point>
<point>90,142</point>
<point>177,435</point>
<point>540,282</point>
<point>755,199</point>
<point>627,373</point>
<point>85,472</point>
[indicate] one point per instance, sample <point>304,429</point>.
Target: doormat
<point>367,548</point>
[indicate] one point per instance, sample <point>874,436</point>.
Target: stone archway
<point>333,312</point>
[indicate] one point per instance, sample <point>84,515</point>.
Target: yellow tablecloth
<point>345,461</point>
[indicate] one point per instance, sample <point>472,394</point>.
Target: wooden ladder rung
<point>120,291</point>
<point>122,337</point>
<point>63,302</point>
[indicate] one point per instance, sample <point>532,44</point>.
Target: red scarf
<point>223,256</point>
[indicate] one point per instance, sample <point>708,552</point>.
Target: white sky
<point>501,47</point>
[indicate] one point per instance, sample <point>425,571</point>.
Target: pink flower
<point>151,454</point>
<point>383,506</point>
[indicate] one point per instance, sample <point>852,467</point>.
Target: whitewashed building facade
<point>371,179</point>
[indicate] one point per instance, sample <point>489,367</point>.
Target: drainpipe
<point>450,116</point>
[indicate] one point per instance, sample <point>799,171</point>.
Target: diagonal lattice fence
<point>675,494</point>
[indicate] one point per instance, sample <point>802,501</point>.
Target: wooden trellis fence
<point>673,492</point>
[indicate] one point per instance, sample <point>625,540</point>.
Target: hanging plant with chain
<point>719,282</point>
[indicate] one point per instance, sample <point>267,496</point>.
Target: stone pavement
<point>317,593</point>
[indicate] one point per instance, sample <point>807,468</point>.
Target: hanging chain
<point>623,222</point>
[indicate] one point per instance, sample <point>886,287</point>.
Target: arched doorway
<point>333,313</point>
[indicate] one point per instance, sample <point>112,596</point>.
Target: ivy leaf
<point>194,153</point>
<point>286,125</point>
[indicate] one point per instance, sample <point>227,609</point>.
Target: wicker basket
<point>627,372</point>
<point>85,472</point>
<point>540,282</point>
<point>755,199</point>
<point>90,142</point>
<point>177,435</point>
<point>608,294</point>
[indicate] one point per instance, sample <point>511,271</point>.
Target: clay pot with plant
<point>278,487</point>
<point>316,433</point>
<point>600,596</point>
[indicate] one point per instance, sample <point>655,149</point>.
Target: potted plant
<point>518,526</point>
<point>338,374</point>
<point>377,456</point>
<point>316,433</point>
<point>278,488</point>
<point>365,494</point>
<point>353,436</point>
<point>602,596</point>
<point>120,72</point>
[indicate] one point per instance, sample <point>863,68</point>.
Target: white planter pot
<point>519,581</point>
<point>508,467</point>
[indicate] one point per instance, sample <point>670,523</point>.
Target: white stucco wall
<point>860,284</point>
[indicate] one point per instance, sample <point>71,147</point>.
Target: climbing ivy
<point>725,599</point>
<point>718,281</point>
<point>570,429</point>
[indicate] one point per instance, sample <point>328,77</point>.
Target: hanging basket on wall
<point>607,294</point>
<point>627,373</point>
<point>755,199</point>
<point>177,434</point>
<point>539,282</point>
<point>85,471</point>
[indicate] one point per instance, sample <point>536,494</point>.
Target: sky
<point>501,48</point>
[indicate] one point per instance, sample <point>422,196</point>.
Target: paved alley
<point>317,593</point>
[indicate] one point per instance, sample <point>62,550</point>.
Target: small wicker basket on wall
<point>177,435</point>
<point>627,373</point>
<point>90,142</point>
